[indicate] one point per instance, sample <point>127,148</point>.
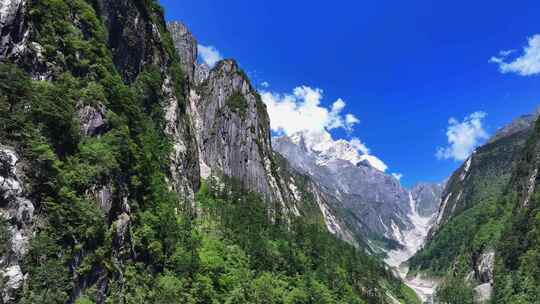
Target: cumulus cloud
<point>302,111</point>
<point>265,84</point>
<point>209,55</point>
<point>375,162</point>
<point>397,176</point>
<point>359,145</point>
<point>525,65</point>
<point>463,137</point>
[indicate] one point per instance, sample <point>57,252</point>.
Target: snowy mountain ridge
<point>325,149</point>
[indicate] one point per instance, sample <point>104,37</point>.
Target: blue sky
<point>403,68</point>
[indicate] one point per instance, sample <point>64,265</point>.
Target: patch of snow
<point>329,219</point>
<point>466,169</point>
<point>382,223</point>
<point>396,232</point>
<point>295,191</point>
<point>412,240</point>
<point>459,195</point>
<point>443,207</point>
<point>327,149</point>
<point>530,190</point>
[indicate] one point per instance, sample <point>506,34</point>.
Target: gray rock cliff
<point>16,216</point>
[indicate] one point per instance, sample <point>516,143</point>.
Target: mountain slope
<point>100,192</point>
<point>233,135</point>
<point>475,207</point>
<point>517,275</point>
<point>373,204</point>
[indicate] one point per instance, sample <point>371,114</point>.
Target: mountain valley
<point>133,172</point>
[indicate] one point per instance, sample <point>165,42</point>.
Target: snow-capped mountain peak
<point>325,149</point>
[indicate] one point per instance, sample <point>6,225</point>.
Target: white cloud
<point>302,111</point>
<point>265,84</point>
<point>358,145</point>
<point>397,176</point>
<point>463,137</point>
<point>506,53</point>
<point>375,162</point>
<point>351,120</point>
<point>209,55</point>
<point>526,65</point>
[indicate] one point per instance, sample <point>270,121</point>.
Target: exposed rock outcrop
<point>233,129</point>
<point>16,222</point>
<point>202,71</point>
<point>13,28</point>
<point>485,266</point>
<point>519,124</point>
<point>186,46</point>
<point>483,293</point>
<point>427,197</point>
<point>92,119</point>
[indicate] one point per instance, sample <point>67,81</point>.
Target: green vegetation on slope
<point>252,257</point>
<point>238,104</point>
<point>478,216</point>
<point>235,252</point>
<point>493,218</point>
<point>517,272</point>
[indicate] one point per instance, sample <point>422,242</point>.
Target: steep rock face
<point>233,129</point>
<point>132,36</point>
<point>13,29</point>
<point>92,119</point>
<point>231,123</point>
<point>424,199</point>
<point>16,42</point>
<point>427,197</point>
<point>519,124</point>
<point>186,45</point>
<point>518,253</point>
<point>16,216</point>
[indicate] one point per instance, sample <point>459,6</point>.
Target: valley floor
<point>412,241</point>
